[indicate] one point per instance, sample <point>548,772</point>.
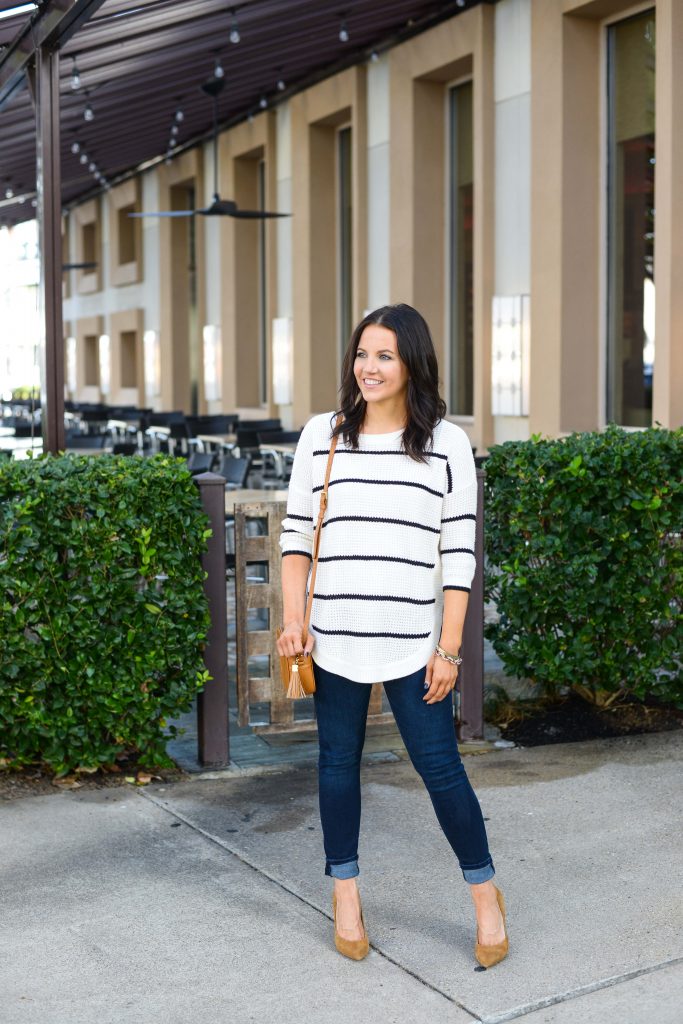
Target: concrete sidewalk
<point>206,900</point>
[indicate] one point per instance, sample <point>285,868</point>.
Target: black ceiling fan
<point>219,207</point>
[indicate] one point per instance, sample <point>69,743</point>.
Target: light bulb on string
<point>174,129</point>
<point>75,148</point>
<point>75,76</point>
<point>218,71</point>
<point>83,159</point>
<point>9,192</point>
<point>179,116</point>
<point>343,33</point>
<point>263,103</point>
<point>92,166</point>
<point>88,113</point>
<point>374,56</point>
<point>281,85</point>
<point>234,28</point>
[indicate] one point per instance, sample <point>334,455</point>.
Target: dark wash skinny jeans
<point>428,732</point>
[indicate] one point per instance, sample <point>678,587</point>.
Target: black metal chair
<point>201,462</point>
<point>87,441</point>
<point>234,470</point>
<point>125,448</point>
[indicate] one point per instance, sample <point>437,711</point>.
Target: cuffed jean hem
<point>348,870</point>
<point>476,875</point>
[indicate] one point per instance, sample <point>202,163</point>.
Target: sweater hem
<point>376,673</point>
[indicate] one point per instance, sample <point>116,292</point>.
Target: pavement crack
<point>563,997</point>
<point>285,888</point>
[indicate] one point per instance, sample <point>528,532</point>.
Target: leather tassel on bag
<point>296,671</point>
<point>295,689</point>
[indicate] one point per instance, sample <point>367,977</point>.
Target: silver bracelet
<point>453,658</point>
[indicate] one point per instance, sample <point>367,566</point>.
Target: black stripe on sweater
<point>450,478</point>
<point>379,519</point>
<point>306,553</point>
<point>377,558</point>
<point>304,519</point>
<point>457,551</point>
<point>373,597</point>
<point>466,589</point>
<point>455,519</point>
<point>350,632</point>
<point>374,451</point>
<point>400,483</point>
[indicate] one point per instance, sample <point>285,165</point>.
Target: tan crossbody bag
<point>296,670</point>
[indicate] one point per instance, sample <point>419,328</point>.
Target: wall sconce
<point>152,364</point>
<point>283,360</point>
<point>71,365</point>
<point>105,364</point>
<point>213,363</point>
<point>510,356</point>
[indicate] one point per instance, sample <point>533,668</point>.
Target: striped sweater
<point>396,534</point>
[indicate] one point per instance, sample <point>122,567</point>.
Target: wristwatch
<point>453,658</point>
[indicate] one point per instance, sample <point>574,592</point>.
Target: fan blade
<point>256,214</point>
<point>229,208</point>
<point>167,213</point>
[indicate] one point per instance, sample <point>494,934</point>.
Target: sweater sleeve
<point>459,516</point>
<point>296,537</point>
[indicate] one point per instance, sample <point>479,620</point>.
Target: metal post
<point>48,187</point>
<point>471,678</point>
<point>212,704</point>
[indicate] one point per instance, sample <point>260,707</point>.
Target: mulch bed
<point>36,780</point>
<point>573,719</point>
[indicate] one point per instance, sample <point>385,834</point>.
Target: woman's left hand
<point>441,677</point>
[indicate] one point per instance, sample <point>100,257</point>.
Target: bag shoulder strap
<point>316,536</point>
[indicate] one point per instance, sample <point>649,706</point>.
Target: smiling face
<point>379,371</point>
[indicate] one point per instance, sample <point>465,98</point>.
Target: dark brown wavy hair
<point>416,351</point>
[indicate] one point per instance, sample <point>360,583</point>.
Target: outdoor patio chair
<point>201,462</point>
<point>234,470</point>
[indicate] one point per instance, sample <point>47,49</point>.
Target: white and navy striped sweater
<point>396,534</point>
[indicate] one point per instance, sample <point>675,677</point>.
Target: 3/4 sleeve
<point>296,537</point>
<point>459,516</point>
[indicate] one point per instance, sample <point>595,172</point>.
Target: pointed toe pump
<point>487,956</point>
<point>356,949</point>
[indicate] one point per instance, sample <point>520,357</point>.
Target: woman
<point>393,579</point>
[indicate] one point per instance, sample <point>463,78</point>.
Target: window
<point>89,242</point>
<point>345,211</point>
<point>460,264</point>
<point>129,369</point>
<point>92,360</point>
<point>630,219</point>
<point>127,234</point>
<point>262,289</point>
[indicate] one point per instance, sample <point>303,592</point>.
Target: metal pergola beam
<point>50,26</point>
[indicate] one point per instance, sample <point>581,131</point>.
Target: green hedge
<point>585,562</point>
<point>103,616</point>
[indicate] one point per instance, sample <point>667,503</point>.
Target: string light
<point>343,32</point>
<point>179,116</point>
<point>75,76</point>
<point>9,192</point>
<point>234,28</point>
<point>263,103</point>
<point>88,113</point>
<point>218,71</point>
<point>84,158</point>
<point>374,56</point>
<point>281,86</point>
<point>75,148</point>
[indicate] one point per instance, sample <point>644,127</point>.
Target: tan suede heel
<point>490,955</point>
<point>356,949</point>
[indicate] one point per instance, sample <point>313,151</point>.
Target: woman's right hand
<point>289,642</point>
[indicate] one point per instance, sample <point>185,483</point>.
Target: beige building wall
<point>568,286</point>
<point>421,70</point>
<point>316,116</point>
